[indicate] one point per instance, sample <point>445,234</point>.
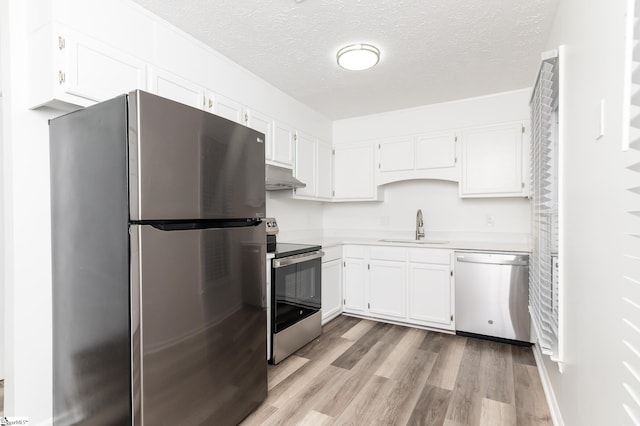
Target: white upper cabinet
<point>324,170</point>
<point>396,155</point>
<point>435,151</point>
<point>354,173</point>
<point>282,145</point>
<point>68,67</point>
<point>425,156</point>
<point>176,88</point>
<point>492,161</point>
<point>313,167</point>
<point>224,107</point>
<point>263,124</point>
<point>305,165</point>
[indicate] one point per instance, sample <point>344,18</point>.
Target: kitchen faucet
<point>419,225</point>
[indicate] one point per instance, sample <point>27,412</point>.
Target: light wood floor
<point>361,372</point>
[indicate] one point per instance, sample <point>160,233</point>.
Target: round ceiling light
<point>358,57</point>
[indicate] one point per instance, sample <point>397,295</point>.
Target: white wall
<point>444,211</point>
<point>2,308</point>
<point>27,265</point>
<point>298,220</point>
<point>589,391</point>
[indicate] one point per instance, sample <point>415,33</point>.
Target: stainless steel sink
<point>415,241</point>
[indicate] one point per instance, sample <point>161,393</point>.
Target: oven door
<point>296,289</point>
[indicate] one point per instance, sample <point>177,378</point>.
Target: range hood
<point>277,178</point>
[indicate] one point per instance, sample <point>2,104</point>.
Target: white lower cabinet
<point>430,294</point>
<point>331,289</point>
<point>354,282</point>
<point>387,287</point>
<point>406,285</point>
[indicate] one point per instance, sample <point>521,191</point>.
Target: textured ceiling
<point>432,50</point>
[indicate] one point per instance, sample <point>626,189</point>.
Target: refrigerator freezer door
<point>199,324</point>
<point>185,163</point>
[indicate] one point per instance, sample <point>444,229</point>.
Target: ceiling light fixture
<point>358,57</point>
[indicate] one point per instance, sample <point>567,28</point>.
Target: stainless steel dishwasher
<point>492,295</point>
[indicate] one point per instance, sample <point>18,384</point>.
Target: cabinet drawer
<point>355,251</point>
<point>441,257</point>
<point>388,253</point>
<point>332,253</point>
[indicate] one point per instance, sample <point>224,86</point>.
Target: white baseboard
<point>554,409</point>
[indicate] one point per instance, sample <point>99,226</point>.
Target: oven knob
<point>300,311</point>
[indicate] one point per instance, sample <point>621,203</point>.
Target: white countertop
<point>453,241</point>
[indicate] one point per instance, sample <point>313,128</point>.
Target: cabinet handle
<point>210,103</point>
<point>61,43</point>
<point>61,77</point>
<point>246,117</point>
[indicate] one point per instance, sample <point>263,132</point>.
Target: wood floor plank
<point>342,324</point>
<point>523,355</point>
<point>296,408</point>
<point>431,407</point>
<point>360,348</point>
<point>495,413</point>
<point>444,372</point>
<point>351,385</point>
<point>260,415</point>
<point>433,341</point>
<point>358,330</point>
<point>530,402</point>
<point>285,369</point>
<point>313,418</point>
<point>466,399</point>
<point>408,386</point>
<point>412,339</point>
<point>292,385</point>
<point>497,365</point>
<point>362,409</point>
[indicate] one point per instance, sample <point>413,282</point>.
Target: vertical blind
<point>543,281</point>
<point>631,220</point>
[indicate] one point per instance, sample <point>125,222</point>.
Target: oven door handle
<point>298,258</point>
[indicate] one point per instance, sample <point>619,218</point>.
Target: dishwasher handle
<point>494,260</point>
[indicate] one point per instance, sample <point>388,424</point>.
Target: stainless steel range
<point>295,284</point>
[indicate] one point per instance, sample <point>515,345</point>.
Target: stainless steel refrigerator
<point>158,265</point>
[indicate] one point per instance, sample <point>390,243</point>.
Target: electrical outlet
<point>491,220</point>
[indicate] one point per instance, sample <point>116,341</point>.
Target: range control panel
<point>271,225</point>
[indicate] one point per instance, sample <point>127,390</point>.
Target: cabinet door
<point>171,86</point>
<point>262,123</point>
<point>354,172</point>
<point>354,285</point>
<point>492,161</point>
<point>98,72</point>
<point>331,289</point>
<point>282,144</point>
<point>324,170</point>
<point>396,155</point>
<point>435,151</point>
<point>305,164</point>
<point>430,293</point>
<point>224,107</point>
<point>387,289</point>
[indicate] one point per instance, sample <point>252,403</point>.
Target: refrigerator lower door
<point>198,324</point>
